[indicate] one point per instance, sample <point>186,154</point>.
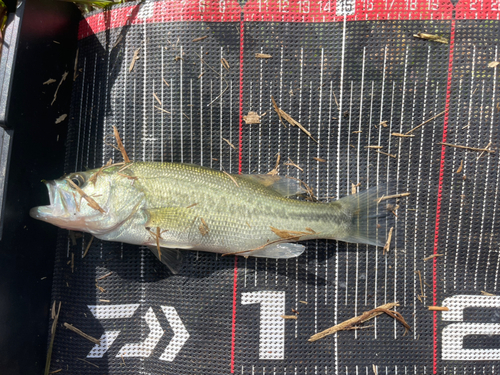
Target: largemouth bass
<point>170,206</point>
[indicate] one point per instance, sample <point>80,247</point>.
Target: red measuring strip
<point>440,191</point>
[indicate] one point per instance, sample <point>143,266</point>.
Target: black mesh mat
<point>353,79</point>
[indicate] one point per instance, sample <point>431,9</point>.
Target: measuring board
<point>352,73</point>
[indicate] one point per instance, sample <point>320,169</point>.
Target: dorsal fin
<point>282,185</point>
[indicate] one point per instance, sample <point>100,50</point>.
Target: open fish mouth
<point>60,205</point>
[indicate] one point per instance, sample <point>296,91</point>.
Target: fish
<point>171,207</point>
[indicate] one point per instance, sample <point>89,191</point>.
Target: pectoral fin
<point>278,251</point>
<point>170,218</point>
<point>172,258</point>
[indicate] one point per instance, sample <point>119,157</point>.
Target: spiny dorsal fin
<point>282,185</point>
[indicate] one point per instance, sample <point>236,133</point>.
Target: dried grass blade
<point>88,247</point>
<point>425,122</point>
<point>120,145</point>
<point>388,243</point>
<point>91,202</point>
<point>83,334</point>
<point>52,337</point>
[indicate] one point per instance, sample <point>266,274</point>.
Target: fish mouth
<point>58,207</point>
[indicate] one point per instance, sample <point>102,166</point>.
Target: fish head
<point>95,201</point>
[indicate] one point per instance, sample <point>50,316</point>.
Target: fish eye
<point>77,179</point>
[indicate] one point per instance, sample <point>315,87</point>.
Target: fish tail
<point>367,216</point>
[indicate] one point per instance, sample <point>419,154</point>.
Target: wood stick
<point>433,256</point>
<point>425,122</point>
<point>402,135</point>
<point>349,323</point>
<point>88,247</point>
<point>393,196</point>
<point>294,317</point>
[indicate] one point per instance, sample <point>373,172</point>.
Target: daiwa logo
<point>146,347</point>
<point>453,334</point>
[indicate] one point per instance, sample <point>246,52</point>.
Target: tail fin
<point>369,216</point>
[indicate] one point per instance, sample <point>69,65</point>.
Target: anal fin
<point>277,251</point>
<point>172,258</point>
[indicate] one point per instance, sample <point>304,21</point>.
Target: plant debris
<point>402,135</point>
<point>375,147</point>
<point>49,81</point>
<point>386,154</point>
<point>229,143</point>
<point>421,295</point>
<point>432,256</point>
<point>431,37</point>
<point>468,148</point>
<point>101,289</point>
<point>90,201</point>
<point>291,121</point>
<point>383,124</point>
<point>292,164</point>
<point>225,64</point>
<point>385,197</point>
<point>294,317</point>
<point>75,67</point>
<point>192,205</point>
<point>252,118</point>
<point>107,275</point>
<point>487,294</point>
<point>161,109</point>
<point>63,78</point>
<point>486,148</point>
<point>83,334</point>
<point>90,363</point>
<point>232,178</point>
<point>120,145</point>
<point>203,227</point>
<point>157,99</point>
<point>61,118</point>
<point>375,371</point>
<point>348,324</point>
<point>320,160</point>
<point>135,57</point>
<point>88,247</point>
<point>289,234</point>
<point>460,167</point>
<point>493,64</point>
<point>304,302</point>
<point>166,83</point>
<point>200,38</point>
<point>354,188</point>
<point>425,122</point>
<point>438,308</point>
<point>274,171</point>
<point>262,56</point>
<point>55,318</point>
<point>388,243</point>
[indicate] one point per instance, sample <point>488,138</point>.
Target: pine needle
<point>120,145</point>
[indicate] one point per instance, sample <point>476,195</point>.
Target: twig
<point>319,159</point>
<point>83,334</point>
<point>393,196</point>
<point>65,74</point>
<point>290,120</point>
<point>375,147</point>
<point>55,316</point>
<point>225,64</point>
<point>134,59</point>
<point>274,171</point>
<point>487,294</point>
<point>90,363</point>
<point>467,148</point>
<point>231,177</point>
<point>161,109</point>
<point>88,247</point>
<point>227,84</point>
<point>386,154</point>
<point>166,83</point>
<point>262,56</point>
<point>438,308</point>
<point>388,243</point>
<point>120,145</point>
<point>157,99</point>
<point>356,320</point>
<point>425,122</point>
<point>103,277</point>
<point>200,38</point>
<point>402,135</point>
<point>421,285</point>
<point>432,256</point>
<point>291,163</point>
<point>482,153</point>
<point>294,317</point>
<point>229,143</point>
<point>91,202</point>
